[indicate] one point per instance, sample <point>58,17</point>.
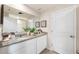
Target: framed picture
<point>44,23</point>
<point>37,24</point>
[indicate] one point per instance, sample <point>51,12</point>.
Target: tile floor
<point>46,51</point>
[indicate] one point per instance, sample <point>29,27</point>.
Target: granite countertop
<point>20,39</point>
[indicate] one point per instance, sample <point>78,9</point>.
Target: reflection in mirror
<point>15,20</point>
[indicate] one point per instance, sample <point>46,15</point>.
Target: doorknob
<point>71,36</point>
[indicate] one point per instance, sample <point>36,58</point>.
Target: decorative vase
<point>28,33</point>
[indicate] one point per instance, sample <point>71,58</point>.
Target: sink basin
<point>23,38</point>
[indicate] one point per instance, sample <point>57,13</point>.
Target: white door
<point>63,34</point>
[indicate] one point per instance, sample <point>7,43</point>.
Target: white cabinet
<point>4,50</point>
<point>27,47</point>
<point>15,48</point>
<point>41,43</point>
<point>33,46</point>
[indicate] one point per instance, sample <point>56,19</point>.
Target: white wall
<point>46,16</point>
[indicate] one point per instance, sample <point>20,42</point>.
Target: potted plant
<point>27,30</point>
<point>32,30</point>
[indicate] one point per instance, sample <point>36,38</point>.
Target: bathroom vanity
<point>25,45</point>
<point>14,22</point>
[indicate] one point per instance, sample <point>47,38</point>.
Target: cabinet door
<point>27,47</point>
<point>41,43</point>
<point>4,50</point>
<point>30,47</point>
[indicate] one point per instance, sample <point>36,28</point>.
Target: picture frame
<point>37,24</point>
<point>43,23</point>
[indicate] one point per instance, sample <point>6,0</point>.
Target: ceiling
<point>46,7</point>
<point>15,12</point>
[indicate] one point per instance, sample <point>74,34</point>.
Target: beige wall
<point>77,31</point>
<point>46,16</point>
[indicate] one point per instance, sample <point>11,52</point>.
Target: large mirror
<point>15,20</point>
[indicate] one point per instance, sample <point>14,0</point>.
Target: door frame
<point>73,8</point>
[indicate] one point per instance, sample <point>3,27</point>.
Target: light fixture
<point>20,13</point>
